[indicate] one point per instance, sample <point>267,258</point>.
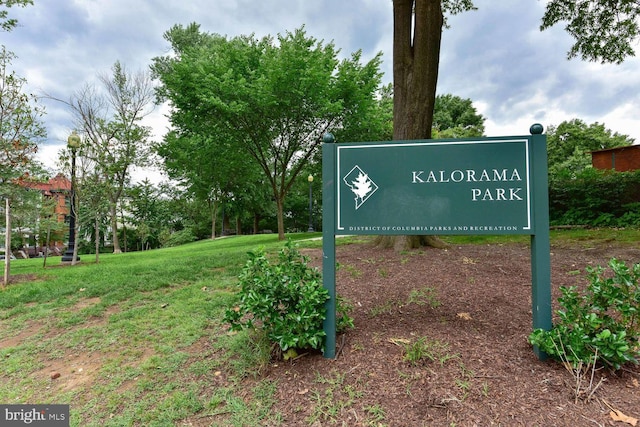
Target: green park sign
<point>439,187</point>
<point>434,187</point>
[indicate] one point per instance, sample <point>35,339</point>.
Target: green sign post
<point>442,187</point>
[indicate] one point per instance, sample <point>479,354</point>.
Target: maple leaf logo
<point>360,184</point>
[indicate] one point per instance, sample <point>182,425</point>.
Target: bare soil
<point>471,307</point>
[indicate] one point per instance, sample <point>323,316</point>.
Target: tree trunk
<point>124,230</point>
<point>114,228</point>
<point>280,206</point>
<point>214,214</point>
<point>7,244</point>
<point>256,223</point>
<point>416,58</point>
<point>226,224</point>
<point>403,243</point>
<point>417,32</point>
<point>46,249</point>
<point>97,240</point>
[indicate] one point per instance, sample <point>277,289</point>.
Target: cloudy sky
<point>496,56</point>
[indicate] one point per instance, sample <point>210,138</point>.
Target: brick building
<point>620,159</point>
<point>57,188</point>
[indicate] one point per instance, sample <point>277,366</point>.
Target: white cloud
<point>496,56</point>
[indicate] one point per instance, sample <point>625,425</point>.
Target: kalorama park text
<point>471,175</point>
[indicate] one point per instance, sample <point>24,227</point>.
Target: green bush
<point>600,325</point>
<point>178,238</point>
<point>596,198</point>
<point>286,299</point>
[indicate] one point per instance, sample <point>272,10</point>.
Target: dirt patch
<point>22,278</point>
<point>471,308</point>
<point>71,371</point>
<point>29,329</point>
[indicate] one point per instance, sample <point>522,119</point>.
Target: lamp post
<point>73,142</point>
<point>310,179</point>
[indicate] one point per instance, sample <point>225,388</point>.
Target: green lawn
<point>138,339</point>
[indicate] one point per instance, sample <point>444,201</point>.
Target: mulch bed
<point>470,307</point>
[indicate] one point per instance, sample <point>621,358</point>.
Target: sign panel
<point>434,187</point>
<point>458,186</point>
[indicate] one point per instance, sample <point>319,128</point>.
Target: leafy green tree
<point>199,153</point>
<point>94,208</point>
<point>455,117</point>
<point>6,23</point>
<point>212,170</point>
<point>187,161</point>
<point>187,213</point>
<point>271,100</point>
<point>385,112</point>
<point>21,128</point>
<point>93,198</point>
<point>569,145</point>
<point>114,138</point>
<point>604,30</point>
<point>150,213</point>
<point>49,225</point>
<point>20,132</point>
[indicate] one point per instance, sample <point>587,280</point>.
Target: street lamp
<point>73,142</point>
<point>310,179</point>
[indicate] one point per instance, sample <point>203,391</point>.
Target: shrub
<point>285,299</point>
<point>595,197</point>
<point>601,325</point>
<point>178,238</point>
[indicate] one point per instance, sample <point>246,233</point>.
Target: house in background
<point>59,189</point>
<point>620,159</point>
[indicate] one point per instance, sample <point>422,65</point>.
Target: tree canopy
<point>266,100</point>
<point>114,139</point>
<point>21,128</point>
<point>570,143</point>
<point>6,23</point>
<point>604,30</point>
<point>454,117</point>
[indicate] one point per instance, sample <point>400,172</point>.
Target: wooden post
<point>7,245</point>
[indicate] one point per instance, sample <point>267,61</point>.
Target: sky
<point>496,56</point>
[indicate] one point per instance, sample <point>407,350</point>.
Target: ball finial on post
<point>328,138</point>
<point>536,129</point>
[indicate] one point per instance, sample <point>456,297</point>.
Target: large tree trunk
<point>402,243</point>
<point>416,57</point>
<point>280,206</point>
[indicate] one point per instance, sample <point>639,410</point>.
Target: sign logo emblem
<point>361,185</point>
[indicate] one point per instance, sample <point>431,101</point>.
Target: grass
<point>148,325</point>
<point>588,236</point>
<point>138,338</point>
